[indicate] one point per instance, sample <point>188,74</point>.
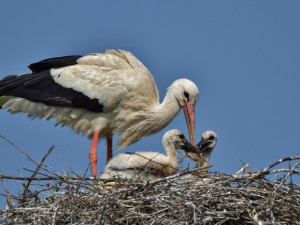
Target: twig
<point>54,215</point>
<point>35,172</point>
<point>285,177</point>
<point>242,169</point>
<point>45,178</point>
<point>21,150</point>
<point>283,171</point>
<point>9,202</point>
<point>179,174</point>
<point>32,160</point>
<point>40,173</point>
<point>280,161</point>
<point>274,164</point>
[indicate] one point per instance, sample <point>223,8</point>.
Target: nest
<point>263,197</point>
<point>214,199</point>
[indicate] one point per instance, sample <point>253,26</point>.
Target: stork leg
<point>93,153</point>
<point>109,148</point>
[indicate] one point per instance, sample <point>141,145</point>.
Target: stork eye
<point>186,94</point>
<point>211,138</point>
<point>181,136</point>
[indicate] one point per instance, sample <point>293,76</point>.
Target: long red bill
<point>189,113</point>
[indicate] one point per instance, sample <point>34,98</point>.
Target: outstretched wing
<point>96,82</point>
<point>40,87</point>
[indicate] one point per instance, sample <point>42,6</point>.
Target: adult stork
<point>149,165</point>
<point>99,95</point>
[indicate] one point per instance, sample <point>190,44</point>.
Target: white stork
<point>99,95</point>
<point>206,146</point>
<point>149,165</point>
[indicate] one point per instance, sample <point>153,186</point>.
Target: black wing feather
<point>40,87</point>
<point>57,62</point>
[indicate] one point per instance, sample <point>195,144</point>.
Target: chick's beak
<point>203,145</point>
<point>188,147</point>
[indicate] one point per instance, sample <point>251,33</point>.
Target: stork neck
<point>171,154</point>
<point>205,162</point>
<point>169,108</point>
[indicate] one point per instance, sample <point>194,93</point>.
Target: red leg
<point>109,148</point>
<point>93,153</point>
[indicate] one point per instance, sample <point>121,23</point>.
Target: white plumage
<point>149,165</point>
<point>99,95</point>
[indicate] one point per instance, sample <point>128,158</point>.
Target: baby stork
<point>206,146</point>
<point>149,165</point>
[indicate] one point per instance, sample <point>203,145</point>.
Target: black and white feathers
<point>112,92</point>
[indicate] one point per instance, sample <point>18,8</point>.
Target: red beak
<point>189,113</point>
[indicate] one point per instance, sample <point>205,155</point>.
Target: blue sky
<point>243,56</point>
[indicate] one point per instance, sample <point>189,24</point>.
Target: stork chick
<point>149,165</point>
<point>206,146</point>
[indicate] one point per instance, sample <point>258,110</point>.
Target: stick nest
<point>214,199</point>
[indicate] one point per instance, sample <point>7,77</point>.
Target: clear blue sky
<point>244,57</point>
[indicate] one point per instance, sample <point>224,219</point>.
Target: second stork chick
<point>206,146</point>
<point>149,165</point>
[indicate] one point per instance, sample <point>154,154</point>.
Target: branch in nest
<point>263,172</point>
<point>35,172</point>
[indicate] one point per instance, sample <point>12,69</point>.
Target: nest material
<point>216,199</point>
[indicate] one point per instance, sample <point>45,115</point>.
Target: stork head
<point>187,93</point>
<point>179,141</point>
<point>208,142</point>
